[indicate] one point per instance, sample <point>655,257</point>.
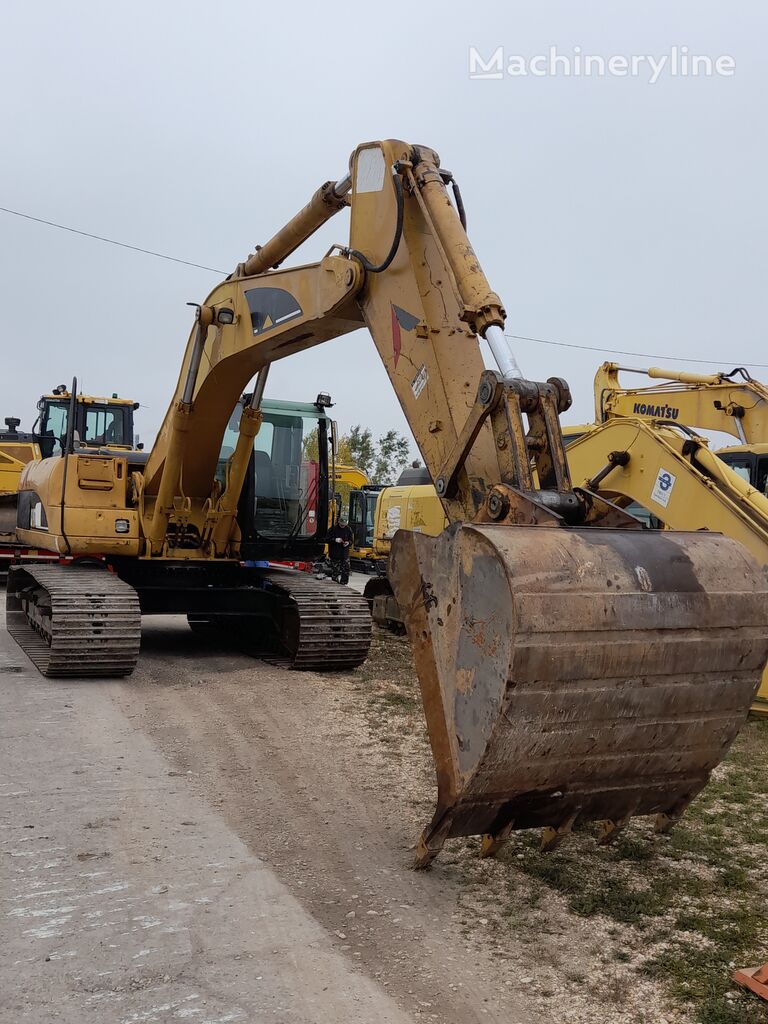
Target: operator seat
<point>270,510</point>
<point>266,484</point>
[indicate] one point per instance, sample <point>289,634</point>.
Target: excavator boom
<point>734,403</point>
<point>573,667</point>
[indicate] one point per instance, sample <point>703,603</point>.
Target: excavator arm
<point>734,403</point>
<point>409,274</point>
<point>672,473</point>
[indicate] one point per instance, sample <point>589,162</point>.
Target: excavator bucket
<point>572,675</point>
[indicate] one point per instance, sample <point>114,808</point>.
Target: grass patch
<point>388,681</point>
<point>695,900</point>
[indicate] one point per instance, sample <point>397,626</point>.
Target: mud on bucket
<point>576,674</point>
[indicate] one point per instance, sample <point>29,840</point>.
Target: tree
<point>380,460</point>
<point>392,453</point>
<point>362,451</point>
<point>311,446</point>
<point>311,449</point>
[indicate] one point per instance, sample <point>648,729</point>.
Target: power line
<point>111,241</point>
<point>624,352</point>
<point>517,337</point>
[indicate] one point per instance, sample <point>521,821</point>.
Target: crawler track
<point>325,626</point>
<point>74,622</point>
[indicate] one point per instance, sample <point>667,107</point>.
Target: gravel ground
<point>300,796</point>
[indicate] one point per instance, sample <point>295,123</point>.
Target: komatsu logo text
<point>657,412</point>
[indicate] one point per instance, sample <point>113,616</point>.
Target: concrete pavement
<point>126,899</point>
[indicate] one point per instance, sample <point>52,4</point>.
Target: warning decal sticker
<point>419,382</point>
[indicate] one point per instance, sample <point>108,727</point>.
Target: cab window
<point>104,425</point>
<point>761,483</point>
<point>53,427</point>
<point>742,467</point>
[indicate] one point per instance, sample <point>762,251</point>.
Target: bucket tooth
<point>666,820</point>
<point>553,835</point>
<point>664,823</point>
<point>610,830</point>
<point>431,841</point>
<point>590,672</point>
<point>492,842</point>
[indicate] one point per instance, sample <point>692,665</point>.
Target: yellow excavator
<point>732,403</point>
<point>573,666</point>
<point>98,423</point>
<point>375,515</point>
<point>354,492</point>
<point>643,451</point>
<point>349,478</point>
<point>376,512</point>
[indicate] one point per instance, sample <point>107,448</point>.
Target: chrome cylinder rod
<point>502,352</point>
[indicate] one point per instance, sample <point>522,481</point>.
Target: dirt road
<point>219,840</point>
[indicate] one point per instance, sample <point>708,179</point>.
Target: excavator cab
<point>99,422</point>
<point>362,518</point>
<point>284,503</point>
<point>750,462</point>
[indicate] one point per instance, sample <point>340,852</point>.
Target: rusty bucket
<point>573,675</point>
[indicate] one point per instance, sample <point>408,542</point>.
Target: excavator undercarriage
<point>86,620</point>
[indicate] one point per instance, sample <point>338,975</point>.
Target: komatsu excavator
<point>644,451</point>
<point>573,668</point>
<point>732,403</point>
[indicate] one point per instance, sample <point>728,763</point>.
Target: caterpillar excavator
<point>98,422</point>
<point>643,450</point>
<point>573,667</point>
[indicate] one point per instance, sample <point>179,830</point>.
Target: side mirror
<point>334,437</point>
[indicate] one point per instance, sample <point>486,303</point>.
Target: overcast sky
<point>606,211</point>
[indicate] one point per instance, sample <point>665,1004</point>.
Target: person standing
<point>339,543</point>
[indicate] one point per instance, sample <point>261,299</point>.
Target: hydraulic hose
<point>366,264</point>
<point>449,179</point>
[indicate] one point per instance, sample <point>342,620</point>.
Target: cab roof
<point>65,396</point>
<point>745,449</point>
